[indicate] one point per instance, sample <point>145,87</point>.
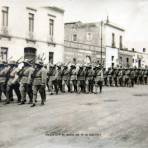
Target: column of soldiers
<point>32,78</point>
<point>125,77</point>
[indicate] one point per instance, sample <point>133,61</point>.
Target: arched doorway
<point>88,59</point>
<point>30,53</point>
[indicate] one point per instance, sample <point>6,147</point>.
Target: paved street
<point>118,118</point>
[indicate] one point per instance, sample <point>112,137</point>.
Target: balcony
<point>31,37</point>
<point>5,32</point>
<point>51,40</point>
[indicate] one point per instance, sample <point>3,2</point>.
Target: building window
<point>4,53</point>
<point>120,46</point>
<point>127,60</point>
<point>112,58</point>
<point>5,16</point>
<point>51,54</point>
<point>30,53</point>
<point>113,40</point>
<point>113,65</point>
<point>89,36</point>
<point>74,37</point>
<point>51,27</point>
<point>133,60</point>
<point>120,59</point>
<point>31,22</point>
<point>144,50</point>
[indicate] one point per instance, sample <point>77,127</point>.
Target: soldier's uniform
<point>116,77</point>
<point>3,79</point>
<point>65,78</point>
<point>145,76</point>
<point>132,77</point>
<point>73,78</point>
<point>110,78</point>
<point>136,76</point>
<point>98,78</point>
<point>53,85</point>
<point>124,76</point>
<point>1,68</point>
<point>120,75</point>
<point>13,83</point>
<point>89,79</point>
<point>39,82</point>
<point>59,78</point>
<point>81,79</point>
<point>127,79</point>
<point>105,73</point>
<point>26,82</point>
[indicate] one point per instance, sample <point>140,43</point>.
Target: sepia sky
<point>132,15</point>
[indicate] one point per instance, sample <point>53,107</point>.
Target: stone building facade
<point>30,31</point>
<point>83,43</point>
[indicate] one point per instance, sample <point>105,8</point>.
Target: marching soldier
<point>59,78</point>
<point>65,78</point>
<point>81,79</point>
<point>73,78</point>
<point>3,79</point>
<point>120,74</point>
<point>110,80</point>
<point>98,78</point>
<point>132,77</point>
<point>105,73</point>
<point>145,76</point>
<point>89,79</point>
<point>53,79</point>
<point>127,79</point>
<point>13,83</point>
<point>25,75</point>
<point>116,77</point>
<point>39,82</point>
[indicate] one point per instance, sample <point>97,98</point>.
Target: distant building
<point>28,31</point>
<point>141,59</point>
<point>83,43</point>
<point>126,58</point>
<point>114,42</point>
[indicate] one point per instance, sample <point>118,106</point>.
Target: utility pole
<point>101,40</point>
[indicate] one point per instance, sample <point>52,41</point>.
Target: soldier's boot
<point>34,100</point>
<point>75,86</point>
<point>101,87</point>
<point>87,87</point>
<point>18,94</point>
<point>23,95</point>
<point>63,88</point>
<point>78,87</point>
<point>96,89</point>
<point>42,94</point>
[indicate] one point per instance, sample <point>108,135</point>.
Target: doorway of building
<point>30,53</point>
<point>51,55</point>
<point>139,63</point>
